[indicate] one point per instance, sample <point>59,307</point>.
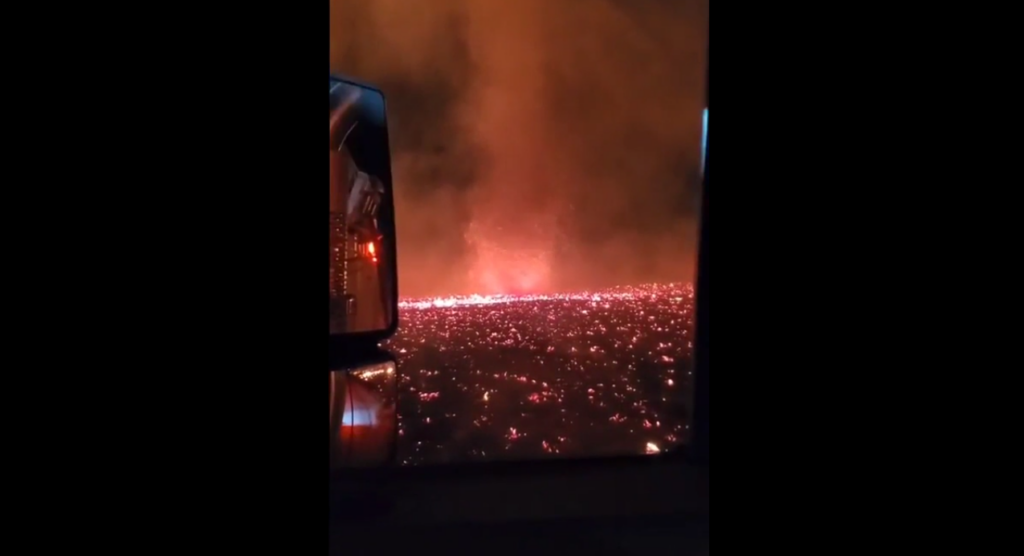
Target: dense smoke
<point>538,145</point>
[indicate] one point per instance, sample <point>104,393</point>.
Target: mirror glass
<point>364,426</point>
<point>363,294</point>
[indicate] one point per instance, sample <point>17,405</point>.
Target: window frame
<point>693,457</point>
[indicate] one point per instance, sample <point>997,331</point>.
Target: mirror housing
<point>363,304</point>
<point>363,419</point>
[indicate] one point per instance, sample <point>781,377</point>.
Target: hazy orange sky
<point>537,145</point>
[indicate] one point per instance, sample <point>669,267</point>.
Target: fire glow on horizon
<point>622,293</point>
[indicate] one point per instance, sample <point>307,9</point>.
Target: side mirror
<point>364,425</point>
<point>364,284</point>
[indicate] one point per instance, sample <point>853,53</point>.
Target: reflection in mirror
<point>362,275</point>
<point>363,421</point>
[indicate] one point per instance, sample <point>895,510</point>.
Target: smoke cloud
<point>538,145</point>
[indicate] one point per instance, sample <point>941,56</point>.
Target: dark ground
<point>586,374</point>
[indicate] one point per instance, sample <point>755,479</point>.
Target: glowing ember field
<point>516,377</point>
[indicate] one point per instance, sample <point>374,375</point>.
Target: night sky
<point>537,145</point>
